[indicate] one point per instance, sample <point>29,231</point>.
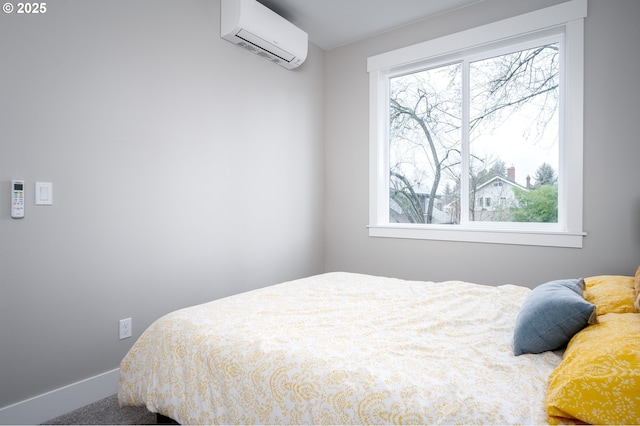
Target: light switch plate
<point>44,193</point>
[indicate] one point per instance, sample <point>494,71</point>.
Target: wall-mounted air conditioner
<point>253,26</point>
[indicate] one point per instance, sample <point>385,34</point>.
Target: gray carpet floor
<point>105,412</point>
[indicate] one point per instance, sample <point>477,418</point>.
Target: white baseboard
<point>52,404</point>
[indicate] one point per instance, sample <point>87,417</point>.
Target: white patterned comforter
<point>342,348</point>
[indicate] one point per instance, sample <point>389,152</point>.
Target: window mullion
<point>464,146</point>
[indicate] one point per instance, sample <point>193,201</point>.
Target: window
<point>492,112</point>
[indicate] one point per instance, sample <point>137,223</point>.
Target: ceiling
<point>335,23</point>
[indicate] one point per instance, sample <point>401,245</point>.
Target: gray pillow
<point>550,315</point>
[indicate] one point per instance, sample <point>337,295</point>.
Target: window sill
<point>447,233</point>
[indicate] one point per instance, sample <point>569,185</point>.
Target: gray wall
<point>611,154</point>
<point>184,169</point>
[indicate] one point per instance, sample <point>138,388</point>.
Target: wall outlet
<point>126,328</point>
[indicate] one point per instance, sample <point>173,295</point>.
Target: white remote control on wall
<point>17,199</point>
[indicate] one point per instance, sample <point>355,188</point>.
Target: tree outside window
<point>466,120</point>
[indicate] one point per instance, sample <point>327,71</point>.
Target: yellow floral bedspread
<point>342,348</point>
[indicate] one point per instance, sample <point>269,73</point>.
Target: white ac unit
<point>255,27</point>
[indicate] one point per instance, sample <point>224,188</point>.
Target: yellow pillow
<point>612,294</point>
<point>598,380</point>
<point>636,284</point>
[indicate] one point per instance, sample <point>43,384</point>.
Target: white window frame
<point>566,17</point>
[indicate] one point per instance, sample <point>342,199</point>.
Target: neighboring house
<point>494,198</point>
<point>492,202</point>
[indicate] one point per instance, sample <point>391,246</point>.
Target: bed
<point>344,348</point>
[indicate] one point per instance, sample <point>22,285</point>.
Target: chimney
<point>511,174</point>
<point>528,182</point>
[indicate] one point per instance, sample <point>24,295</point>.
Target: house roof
<point>507,181</point>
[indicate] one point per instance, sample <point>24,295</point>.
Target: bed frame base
<point>164,420</point>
